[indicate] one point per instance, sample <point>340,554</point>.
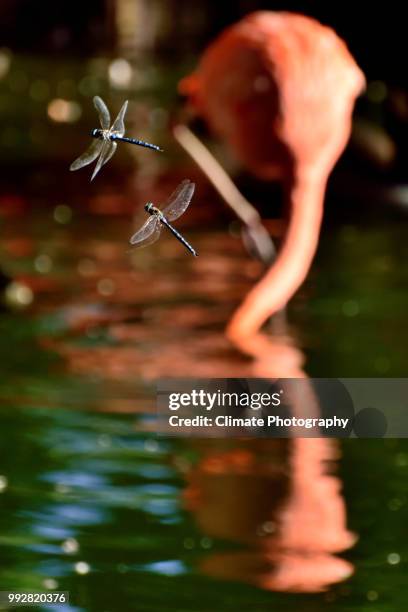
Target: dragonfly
<point>107,138</point>
<point>174,207</point>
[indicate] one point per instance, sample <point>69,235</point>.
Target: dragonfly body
<point>114,136</point>
<point>106,138</point>
<point>152,209</point>
<point>175,206</point>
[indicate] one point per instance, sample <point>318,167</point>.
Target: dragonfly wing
<point>104,116</point>
<point>108,150</point>
<point>118,126</point>
<point>89,156</point>
<point>179,200</point>
<point>147,234</point>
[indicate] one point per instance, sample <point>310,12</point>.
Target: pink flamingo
<point>279,88</point>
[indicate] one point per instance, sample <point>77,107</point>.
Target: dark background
<point>376,34</point>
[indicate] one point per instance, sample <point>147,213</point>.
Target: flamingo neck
<point>289,270</point>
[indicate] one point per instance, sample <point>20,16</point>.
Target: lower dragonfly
<point>107,138</point>
<point>174,207</point>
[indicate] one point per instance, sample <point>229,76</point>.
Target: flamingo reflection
<point>275,497</point>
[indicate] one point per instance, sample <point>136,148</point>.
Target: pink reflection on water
<point>281,503</point>
<point>276,497</point>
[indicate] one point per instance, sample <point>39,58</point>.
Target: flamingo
<point>279,88</point>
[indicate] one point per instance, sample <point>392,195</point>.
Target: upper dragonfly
<point>174,207</point>
<point>105,144</point>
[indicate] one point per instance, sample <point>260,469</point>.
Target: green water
<point>91,478</point>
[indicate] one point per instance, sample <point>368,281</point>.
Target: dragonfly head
<point>96,133</point>
<point>149,207</point>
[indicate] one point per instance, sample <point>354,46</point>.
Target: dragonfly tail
<point>179,237</point>
<point>140,143</point>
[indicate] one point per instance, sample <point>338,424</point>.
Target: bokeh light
<point>120,73</point>
<point>18,295</point>
<point>5,62</point>
<point>3,483</point>
<point>82,568</point>
<point>64,111</point>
